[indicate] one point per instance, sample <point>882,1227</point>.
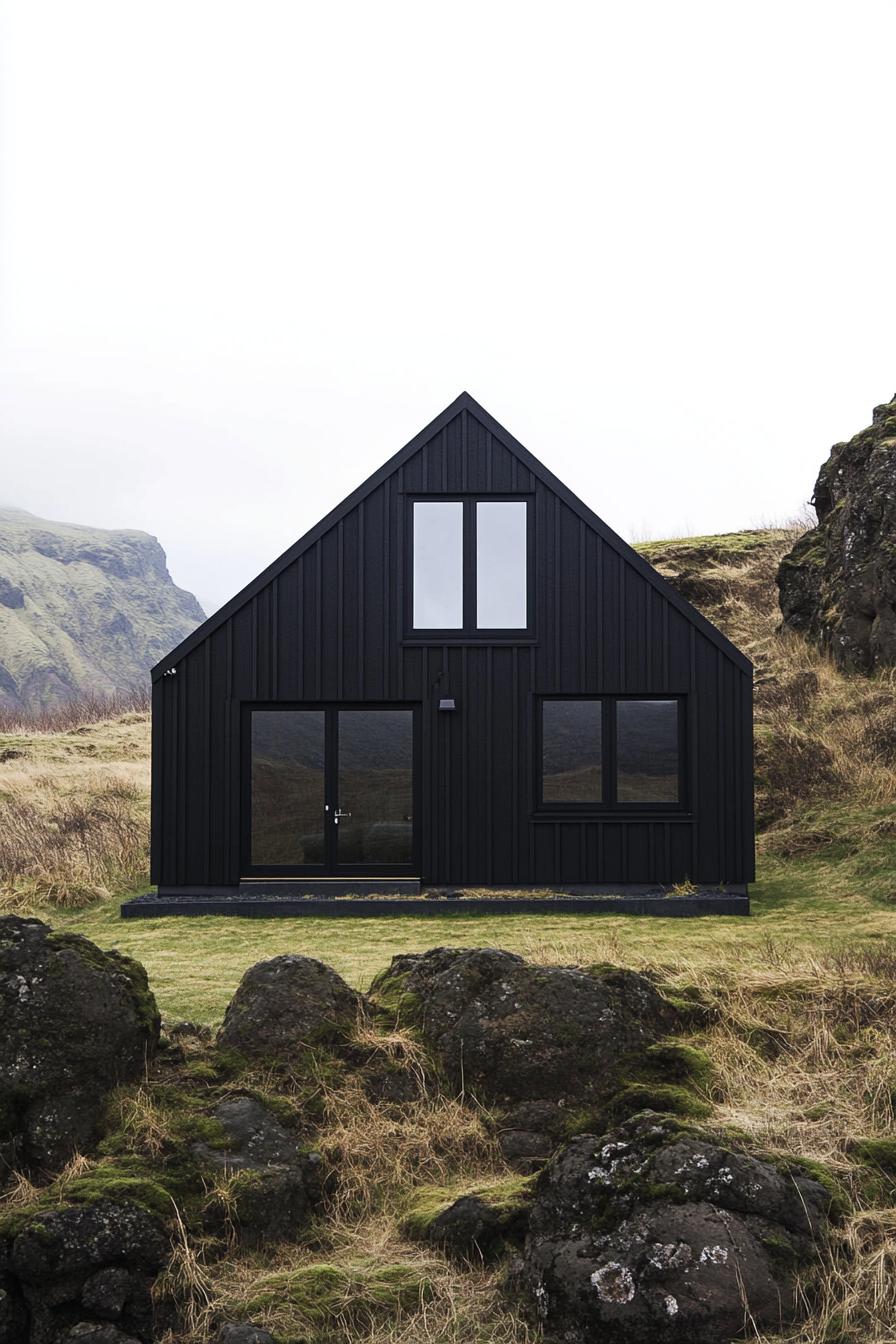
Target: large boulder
<point>87,1271</point>
<point>532,1041</point>
<point>655,1234</point>
<point>838,584</point>
<point>279,1184</point>
<point>77,1021</point>
<point>287,1005</point>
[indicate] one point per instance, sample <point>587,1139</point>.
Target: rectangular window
<point>501,545</point>
<point>612,752</point>
<point>647,751</point>
<point>571,759</point>
<point>470,567</point>
<point>438,565</point>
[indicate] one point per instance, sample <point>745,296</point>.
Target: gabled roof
<point>462,403</point>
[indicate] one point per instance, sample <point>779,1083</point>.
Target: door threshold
<point>331,887</point>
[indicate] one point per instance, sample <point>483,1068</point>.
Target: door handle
<point>339,813</point>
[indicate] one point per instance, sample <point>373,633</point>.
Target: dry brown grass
<point>74,813</point>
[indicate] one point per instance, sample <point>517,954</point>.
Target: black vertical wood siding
<point>330,626</point>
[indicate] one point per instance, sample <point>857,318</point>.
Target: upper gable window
<point>501,579</point>
<point>470,561</point>
<point>438,565</point>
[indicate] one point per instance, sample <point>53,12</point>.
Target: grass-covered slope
<point>83,610</point>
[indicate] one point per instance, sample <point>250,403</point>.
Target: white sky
<point>248,250</point>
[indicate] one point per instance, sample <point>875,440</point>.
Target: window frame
<point>609,802</point>
<point>470,632</point>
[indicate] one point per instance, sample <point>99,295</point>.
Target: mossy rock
<point>879,1153</point>
<point>677,1061</point>
<point>393,1000</point>
<point>286,1005</point>
<point>471,1221</point>
<point>696,1006</point>
<point>104,960</point>
<point>840,1203</point>
<point>118,1182</point>
<point>670,1077</point>
<point>666,1098</point>
<point>361,1293</point>
<point>77,1021</point>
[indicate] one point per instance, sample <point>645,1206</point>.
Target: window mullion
<point>610,754</point>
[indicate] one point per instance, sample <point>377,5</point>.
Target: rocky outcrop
<point>287,1005</point>
<point>279,1185</point>
<point>532,1041</point>
<point>656,1234</point>
<point>82,610</point>
<point>86,1273</point>
<point>76,1022</point>
<point>838,584</point>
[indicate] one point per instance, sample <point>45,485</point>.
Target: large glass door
<point>374,793</point>
<point>330,791</point>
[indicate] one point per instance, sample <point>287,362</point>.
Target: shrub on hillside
<point>76,713</point>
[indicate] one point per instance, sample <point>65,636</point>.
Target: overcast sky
<point>248,250</point>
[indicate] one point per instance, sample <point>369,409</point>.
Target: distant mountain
<point>82,610</point>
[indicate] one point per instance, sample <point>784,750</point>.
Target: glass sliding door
<point>287,789</point>
<point>374,815</point>
<point>329,791</point>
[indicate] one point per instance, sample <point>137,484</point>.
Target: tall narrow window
<point>438,565</point>
<point>501,598</point>
<point>571,751</point>
<point>647,751</point>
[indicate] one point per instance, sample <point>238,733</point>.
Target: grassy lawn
<point>800,908</point>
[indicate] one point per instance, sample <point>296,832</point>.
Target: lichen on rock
<point>661,1233</point>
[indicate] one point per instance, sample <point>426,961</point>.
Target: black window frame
<point>330,867</point>
<point>609,802</point>
<point>469,632</point>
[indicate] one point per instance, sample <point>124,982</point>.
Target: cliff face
<point>838,584</point>
<point>82,610</point>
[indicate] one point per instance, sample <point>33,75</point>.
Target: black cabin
<point>462,676</point>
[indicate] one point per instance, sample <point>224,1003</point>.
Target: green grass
<point>194,964</point>
<point>726,542</point>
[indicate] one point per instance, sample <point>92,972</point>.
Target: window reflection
<point>287,787</point>
<point>376,750</point>
<point>571,751</point>
<point>647,751</point>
